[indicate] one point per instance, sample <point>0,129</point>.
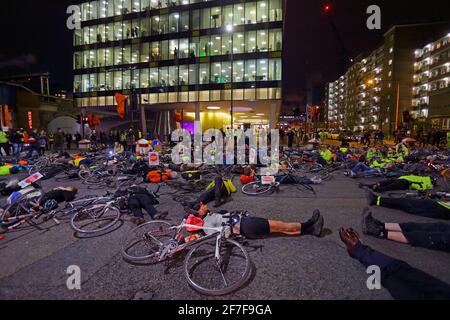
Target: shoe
<point>318,227</point>
<point>161,216</point>
<point>352,174</point>
<point>372,199</point>
<point>372,226</point>
<point>351,240</point>
<point>138,221</point>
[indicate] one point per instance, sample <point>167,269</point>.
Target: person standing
<point>78,139</point>
<point>16,141</point>
<point>69,141</point>
<point>131,139</point>
<point>42,142</point>
<point>33,141</point>
<point>290,136</point>
<point>59,141</point>
<point>4,142</point>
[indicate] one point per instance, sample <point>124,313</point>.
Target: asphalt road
<point>33,262</point>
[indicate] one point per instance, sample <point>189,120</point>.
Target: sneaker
<point>372,199</point>
<point>372,226</point>
<point>352,174</point>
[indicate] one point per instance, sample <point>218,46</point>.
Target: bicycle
<point>99,217</point>
<point>215,264</point>
<point>272,185</point>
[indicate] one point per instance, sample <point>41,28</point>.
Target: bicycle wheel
<point>146,242</point>
<point>256,188</point>
<point>84,174</point>
<point>95,219</point>
<point>216,277</point>
<point>95,179</point>
<point>38,166</point>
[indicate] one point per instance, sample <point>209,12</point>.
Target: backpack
<point>158,176</point>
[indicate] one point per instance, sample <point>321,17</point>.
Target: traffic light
<point>327,8</point>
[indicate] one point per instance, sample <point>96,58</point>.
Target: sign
<point>30,119</point>
<point>31,179</point>
<point>153,158</point>
<point>265,180</point>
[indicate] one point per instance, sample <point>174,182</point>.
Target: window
<point>238,43</point>
<point>275,10</point>
<point>205,18</point>
<point>78,37</point>
<point>216,44</point>
<point>135,53</point>
<point>109,57</point>
<point>263,12</point>
<point>275,40</point>
<point>250,12</point>
<point>262,41</point>
<point>117,80</point>
<point>145,27</point>
<point>239,14</point>
<point>250,71</point>
<point>262,72</point>
<point>145,52</point>
<point>184,21</point>
<point>183,75</point>
<point>144,78</point>
<point>173,76</point>
<point>183,49</point>
<point>77,60</point>
<point>238,71</point>
<point>193,74</point>
<point>216,17</point>
<point>215,72</point>
<point>204,73</point>
<point>174,20</point>
<point>163,77</point>
<point>101,62</point>
<point>154,77</point>
<point>250,43</point>
<point>275,70</point>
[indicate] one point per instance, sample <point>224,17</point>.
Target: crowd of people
<point>398,167</point>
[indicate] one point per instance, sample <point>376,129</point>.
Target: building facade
<point>431,92</point>
<point>377,89</point>
<point>214,59</point>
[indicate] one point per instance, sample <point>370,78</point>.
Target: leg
<point>135,207</point>
<point>424,208</point>
<point>146,204</point>
<point>393,184</point>
<point>402,280</point>
<point>292,229</point>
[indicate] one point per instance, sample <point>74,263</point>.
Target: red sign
<point>267,180</point>
<point>30,119</point>
<point>153,158</point>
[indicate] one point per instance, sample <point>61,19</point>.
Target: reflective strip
<point>378,201</point>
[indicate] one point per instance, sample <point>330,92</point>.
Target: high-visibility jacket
<point>418,182</point>
<point>326,155</point>
<point>228,184</point>
<point>3,137</point>
<point>77,161</point>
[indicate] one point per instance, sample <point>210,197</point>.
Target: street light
<point>229,29</point>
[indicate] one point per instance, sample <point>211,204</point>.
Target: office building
<point>206,59</point>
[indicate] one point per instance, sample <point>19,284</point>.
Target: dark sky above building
<point>34,37</point>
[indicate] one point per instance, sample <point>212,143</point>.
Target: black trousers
<point>137,202</point>
<point>419,207</point>
<point>400,279</point>
<point>393,184</point>
<point>435,236</point>
<point>214,194</point>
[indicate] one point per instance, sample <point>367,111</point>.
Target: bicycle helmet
<point>50,204</point>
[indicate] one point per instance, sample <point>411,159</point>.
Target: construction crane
<point>344,56</point>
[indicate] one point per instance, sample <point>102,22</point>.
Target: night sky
<point>34,37</point>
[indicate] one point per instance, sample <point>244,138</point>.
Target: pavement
<point>33,263</point>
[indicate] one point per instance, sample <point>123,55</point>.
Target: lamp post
<point>229,30</point>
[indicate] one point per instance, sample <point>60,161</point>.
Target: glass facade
<point>178,51</point>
